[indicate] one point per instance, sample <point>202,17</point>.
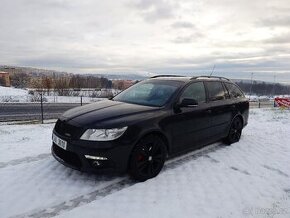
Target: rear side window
<point>215,91</point>
<point>194,91</point>
<point>234,91</point>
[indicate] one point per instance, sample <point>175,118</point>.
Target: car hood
<point>96,114</point>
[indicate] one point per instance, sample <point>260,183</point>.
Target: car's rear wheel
<point>147,158</point>
<point>235,131</point>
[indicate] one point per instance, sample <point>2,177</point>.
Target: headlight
<point>103,134</point>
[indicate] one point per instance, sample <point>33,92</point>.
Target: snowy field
<point>15,95</point>
<point>5,91</point>
<point>247,179</point>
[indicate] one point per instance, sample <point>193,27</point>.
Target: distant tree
<point>2,81</point>
<point>47,84</point>
<point>61,86</point>
<point>103,82</point>
<point>35,83</point>
<point>77,82</point>
<point>262,88</point>
<point>109,84</point>
<point>20,80</point>
<point>121,85</point>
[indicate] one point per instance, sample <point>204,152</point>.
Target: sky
<point>148,37</point>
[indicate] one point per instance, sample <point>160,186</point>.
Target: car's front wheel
<point>147,158</point>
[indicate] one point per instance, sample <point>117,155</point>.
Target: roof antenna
<point>212,70</point>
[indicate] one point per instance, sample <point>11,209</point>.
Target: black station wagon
<point>152,120</point>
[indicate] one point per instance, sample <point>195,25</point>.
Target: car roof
<point>188,78</point>
<point>174,78</point>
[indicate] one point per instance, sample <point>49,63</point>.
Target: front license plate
<point>59,142</point>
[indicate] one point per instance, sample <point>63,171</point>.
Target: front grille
<point>67,156</point>
<point>68,130</point>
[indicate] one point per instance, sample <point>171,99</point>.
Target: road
<point>32,111</point>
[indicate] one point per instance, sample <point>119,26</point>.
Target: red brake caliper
<point>140,157</point>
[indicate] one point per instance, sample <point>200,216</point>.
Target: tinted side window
<point>234,91</point>
<point>215,91</point>
<point>194,91</point>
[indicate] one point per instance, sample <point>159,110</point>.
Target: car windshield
<point>148,93</point>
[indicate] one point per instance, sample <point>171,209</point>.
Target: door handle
<point>208,111</point>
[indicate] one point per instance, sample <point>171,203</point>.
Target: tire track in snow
<point>211,158</point>
<point>115,187</point>
<point>241,171</point>
<point>276,170</point>
<point>203,152</point>
<point>80,200</point>
<point>287,190</point>
<point>24,160</point>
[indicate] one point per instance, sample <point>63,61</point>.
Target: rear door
<point>238,102</point>
<point>221,111</point>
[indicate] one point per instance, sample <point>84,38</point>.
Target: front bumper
<point>116,153</point>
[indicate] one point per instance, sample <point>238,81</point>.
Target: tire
<point>147,158</point>
<point>235,131</point>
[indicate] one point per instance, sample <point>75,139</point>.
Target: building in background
<point>4,79</point>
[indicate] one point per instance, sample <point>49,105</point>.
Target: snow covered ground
<point>247,179</point>
<point>5,91</point>
<point>10,94</point>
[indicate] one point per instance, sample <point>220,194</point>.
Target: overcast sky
<point>238,37</point>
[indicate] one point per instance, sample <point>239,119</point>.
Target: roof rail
<point>209,77</point>
<point>166,76</point>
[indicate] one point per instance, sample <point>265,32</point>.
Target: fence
<point>48,99</point>
<point>22,109</point>
<point>262,104</point>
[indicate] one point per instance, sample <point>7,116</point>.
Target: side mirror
<point>188,102</point>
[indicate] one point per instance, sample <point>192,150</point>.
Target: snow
<point>5,91</point>
<point>11,94</point>
<point>71,99</point>
<point>247,179</point>
<point>21,141</point>
<point>264,97</point>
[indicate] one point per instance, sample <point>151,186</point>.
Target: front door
<point>190,124</point>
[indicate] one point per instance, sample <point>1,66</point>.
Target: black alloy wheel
<point>147,158</point>
<point>235,131</point>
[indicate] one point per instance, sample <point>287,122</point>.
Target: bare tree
<point>47,84</point>
<point>62,86</point>
<point>20,80</point>
<point>2,82</point>
<point>121,85</point>
<point>35,83</point>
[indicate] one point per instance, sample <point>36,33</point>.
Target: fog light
<point>96,163</point>
<point>95,157</point>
